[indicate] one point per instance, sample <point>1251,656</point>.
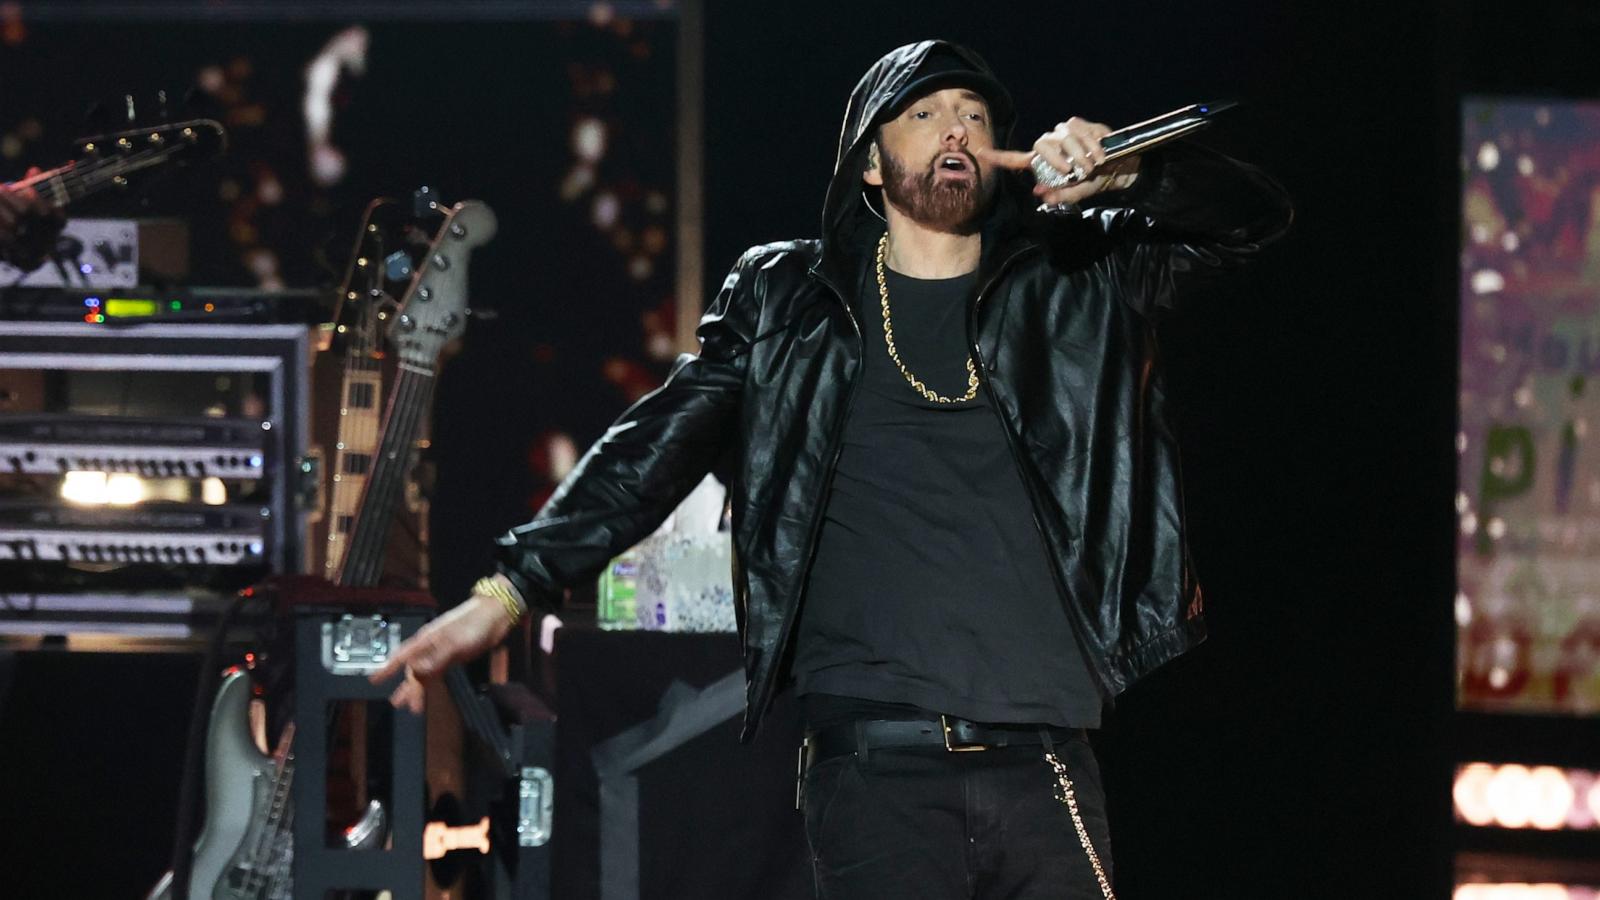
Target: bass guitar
<point>113,160</point>
<point>245,851</point>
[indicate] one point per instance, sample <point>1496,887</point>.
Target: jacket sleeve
<point>1191,211</point>
<point>650,458</point>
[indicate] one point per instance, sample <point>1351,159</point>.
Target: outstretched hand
<point>1073,146</point>
<point>464,633</point>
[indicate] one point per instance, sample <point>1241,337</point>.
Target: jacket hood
<point>895,78</point>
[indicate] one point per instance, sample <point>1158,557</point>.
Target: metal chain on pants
<point>1067,795</point>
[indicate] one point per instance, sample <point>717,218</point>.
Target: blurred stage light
<point>578,180</point>
<point>1488,156</point>
<point>1517,796</point>
<point>589,139</point>
<point>87,488</point>
<point>213,492</point>
<point>1472,793</point>
<point>346,52</point>
<point>124,490</point>
<point>1487,281</point>
<point>1523,892</point>
<point>102,489</point>
<point>606,210</point>
<point>563,456</point>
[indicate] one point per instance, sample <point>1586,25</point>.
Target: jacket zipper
<point>835,450</point>
<point>985,379</point>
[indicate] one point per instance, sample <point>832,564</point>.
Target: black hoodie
<point>1063,336</point>
<point>850,227</point>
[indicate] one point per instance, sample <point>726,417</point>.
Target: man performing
<point>953,475</point>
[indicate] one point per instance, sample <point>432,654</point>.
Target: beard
<point>950,206</point>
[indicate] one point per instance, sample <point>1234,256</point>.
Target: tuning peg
<point>128,109</point>
<point>161,106</point>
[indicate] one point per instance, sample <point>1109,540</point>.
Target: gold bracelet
<point>489,587</point>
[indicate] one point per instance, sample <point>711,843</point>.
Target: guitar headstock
<point>434,309</point>
<point>193,140</point>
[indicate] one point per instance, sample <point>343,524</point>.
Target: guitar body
<point>246,851</point>
<point>239,781</point>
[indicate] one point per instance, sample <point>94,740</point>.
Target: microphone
<point>1137,138</point>
<point>1161,129</point>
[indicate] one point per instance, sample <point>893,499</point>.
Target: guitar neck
<point>51,185</point>
<point>356,447</point>
<point>111,160</point>
<point>479,717</point>
<point>402,423</point>
<point>360,390</point>
<point>65,185</point>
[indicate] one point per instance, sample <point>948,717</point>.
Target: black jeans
<point>954,826</point>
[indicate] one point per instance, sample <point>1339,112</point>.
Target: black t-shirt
<point>931,587</point>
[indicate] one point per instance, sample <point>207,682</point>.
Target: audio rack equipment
<point>162,534</point>
<point>147,446</point>
<point>165,456</point>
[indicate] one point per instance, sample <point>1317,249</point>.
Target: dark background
<point>1305,750</point>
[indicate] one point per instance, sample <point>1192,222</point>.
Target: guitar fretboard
<point>413,391</point>
<point>68,184</point>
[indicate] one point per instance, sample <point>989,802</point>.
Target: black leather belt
<point>947,732</point>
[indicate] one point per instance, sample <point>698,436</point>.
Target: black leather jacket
<point>1062,330</point>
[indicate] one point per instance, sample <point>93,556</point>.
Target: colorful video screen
<point>1528,501</point>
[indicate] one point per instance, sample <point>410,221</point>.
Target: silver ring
<point>1052,177</point>
<point>1046,174</point>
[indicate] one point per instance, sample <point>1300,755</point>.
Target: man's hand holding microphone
<point>1068,163</point>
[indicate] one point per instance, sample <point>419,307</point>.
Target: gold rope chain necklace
<point>888,338</point>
